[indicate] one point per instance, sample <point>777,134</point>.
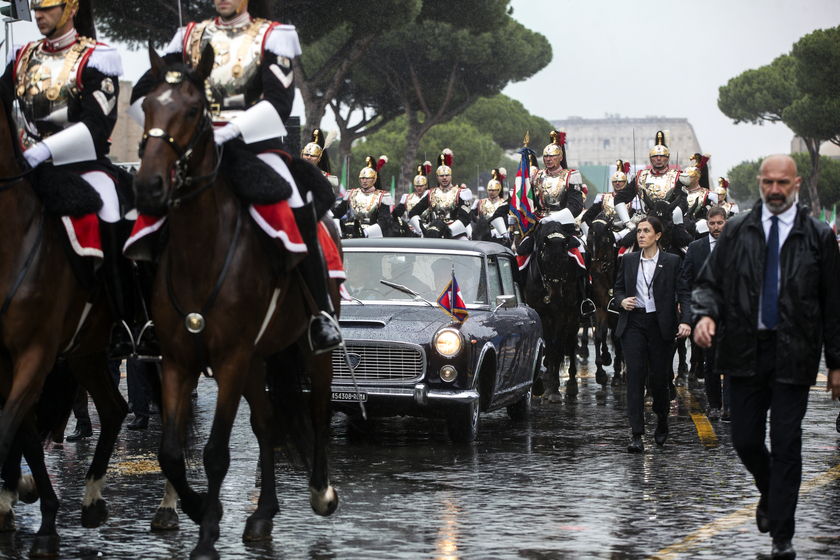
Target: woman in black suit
<point>648,287</point>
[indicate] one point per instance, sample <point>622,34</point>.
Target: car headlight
<point>448,342</point>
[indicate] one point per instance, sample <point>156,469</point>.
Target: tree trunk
<point>415,132</point>
<point>814,151</point>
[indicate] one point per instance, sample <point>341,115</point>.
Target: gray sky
<point>641,58</point>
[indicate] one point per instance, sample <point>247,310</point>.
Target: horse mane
<point>481,230</point>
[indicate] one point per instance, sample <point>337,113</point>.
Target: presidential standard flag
<point>522,201</point>
<point>452,293</point>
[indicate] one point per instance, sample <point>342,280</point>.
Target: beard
<point>777,203</point>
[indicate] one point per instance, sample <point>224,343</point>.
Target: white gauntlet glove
<point>225,133</point>
<point>37,154</point>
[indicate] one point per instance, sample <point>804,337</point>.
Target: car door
<point>509,322</point>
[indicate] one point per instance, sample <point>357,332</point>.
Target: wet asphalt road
<point>560,486</point>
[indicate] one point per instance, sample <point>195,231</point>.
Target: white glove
<point>37,154</point>
<point>225,133</point>
<point>678,215</point>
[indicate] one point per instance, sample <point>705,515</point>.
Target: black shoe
<point>121,345</point>
<point>139,424</point>
<point>636,445</point>
<point>783,549</point>
<point>324,335</point>
<point>81,432</point>
<point>762,521</point>
<point>713,414</point>
<point>661,433</point>
<point>724,417</point>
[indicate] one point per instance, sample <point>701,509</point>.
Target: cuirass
<point>364,205</point>
<point>443,202</point>
<point>726,206</point>
<point>552,187</point>
<point>46,89</point>
<point>488,207</point>
<point>237,64</point>
<point>411,200</point>
<point>657,186</point>
<point>698,196</point>
<point>608,205</point>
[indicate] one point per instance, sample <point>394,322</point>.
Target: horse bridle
<point>605,264</point>
<point>180,178</point>
<point>545,281</point>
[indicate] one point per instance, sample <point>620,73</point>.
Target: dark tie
<point>770,294</point>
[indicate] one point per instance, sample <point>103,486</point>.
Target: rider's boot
<point>118,282</point>
<point>324,334</point>
<point>587,306</point>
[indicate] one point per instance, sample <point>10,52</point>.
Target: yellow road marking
<point>704,427</point>
<point>735,519</point>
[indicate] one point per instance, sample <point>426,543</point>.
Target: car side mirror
<point>505,302</point>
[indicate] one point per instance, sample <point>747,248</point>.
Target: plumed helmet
<point>315,147</point>
<point>622,169</point>
<point>722,189</point>
<point>495,183</point>
<point>699,169</point>
<point>83,21</point>
<point>660,147</point>
<point>445,163</point>
<point>372,168</point>
<point>558,140</point>
<point>420,180</point>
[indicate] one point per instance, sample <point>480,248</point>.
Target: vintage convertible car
<point>409,357</point>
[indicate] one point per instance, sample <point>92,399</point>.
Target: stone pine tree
<point>799,90</point>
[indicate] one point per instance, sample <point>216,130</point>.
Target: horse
<point>251,310</point>
<point>552,288</point>
<point>48,314</point>
<point>603,268</point>
<point>436,229</point>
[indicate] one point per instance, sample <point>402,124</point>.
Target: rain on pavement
<point>560,486</point>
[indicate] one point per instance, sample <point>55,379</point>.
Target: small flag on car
<point>452,293</point>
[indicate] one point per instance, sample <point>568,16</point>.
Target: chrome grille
<point>388,362</point>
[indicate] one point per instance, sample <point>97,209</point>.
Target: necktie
<point>770,293</point>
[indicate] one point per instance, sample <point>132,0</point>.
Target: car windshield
<point>426,274</point>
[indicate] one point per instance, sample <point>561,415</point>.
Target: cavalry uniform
<point>448,203</point>
<point>410,200</point>
<point>696,180</point>
<point>366,205</point>
<point>722,190</point>
<point>251,91</point>
<point>559,187</point>
<point>315,152</point>
<point>495,209</point>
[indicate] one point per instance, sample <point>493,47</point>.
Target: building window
<point>607,144</point>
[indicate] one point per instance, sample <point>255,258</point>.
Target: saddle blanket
<point>83,235</point>
<point>277,221</point>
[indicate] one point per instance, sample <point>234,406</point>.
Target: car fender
<point>485,387</point>
<point>538,356</point>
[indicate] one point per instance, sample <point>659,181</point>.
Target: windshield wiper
<point>357,300</point>
<point>407,290</point>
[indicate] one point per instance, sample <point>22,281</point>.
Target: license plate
<point>350,396</point>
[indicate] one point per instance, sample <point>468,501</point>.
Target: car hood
<point>392,322</point>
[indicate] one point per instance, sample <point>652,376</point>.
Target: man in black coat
<point>695,258</point>
<point>769,293</point>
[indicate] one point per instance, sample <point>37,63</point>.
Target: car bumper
<point>420,394</point>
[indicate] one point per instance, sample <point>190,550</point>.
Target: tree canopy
<point>799,90</point>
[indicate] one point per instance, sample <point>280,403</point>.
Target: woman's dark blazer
<point>669,287</point>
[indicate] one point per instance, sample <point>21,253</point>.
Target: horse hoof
<point>571,388</point>
<point>204,555</point>
<point>166,519</point>
<point>27,491</point>
<point>601,377</point>
<point>7,522</point>
<point>257,529</point>
<point>45,546</point>
<point>606,359</point>
<point>95,514</point>
<point>323,503</point>
<point>554,398</point>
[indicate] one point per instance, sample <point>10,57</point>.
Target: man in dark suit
<point>695,258</point>
<point>770,294</point>
<point>648,286</point>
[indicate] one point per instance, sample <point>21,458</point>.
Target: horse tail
<point>286,377</point>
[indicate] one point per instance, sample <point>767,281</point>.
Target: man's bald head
<point>778,182</point>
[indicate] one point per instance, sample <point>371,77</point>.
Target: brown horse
<point>219,306</point>
<point>46,315</point>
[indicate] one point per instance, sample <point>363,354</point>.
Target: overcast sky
<point>641,58</point>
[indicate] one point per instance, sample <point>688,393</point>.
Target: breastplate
<point>411,201</point>
<point>46,89</point>
<point>552,188</point>
<point>488,207</point>
<point>608,205</point>
<point>365,205</point>
<point>658,186</point>
<point>236,68</point>
<point>698,196</point>
<point>443,202</point>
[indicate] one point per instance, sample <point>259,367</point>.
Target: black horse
<point>437,229</point>
<point>553,289</point>
<point>602,269</point>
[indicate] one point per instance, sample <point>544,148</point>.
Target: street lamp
<point>17,10</point>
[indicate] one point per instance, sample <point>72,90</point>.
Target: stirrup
<point>121,355</point>
<point>590,309</point>
<point>332,320</point>
<point>152,343</point>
